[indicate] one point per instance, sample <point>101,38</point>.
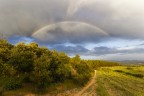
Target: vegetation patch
<point>129,68</point>
<point>120,81</point>
<point>132,74</point>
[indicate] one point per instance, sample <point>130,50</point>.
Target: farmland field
<point>120,81</point>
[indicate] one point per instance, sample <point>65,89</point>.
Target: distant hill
<point>132,62</point>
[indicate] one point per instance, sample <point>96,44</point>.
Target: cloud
<point>71,50</point>
<point>80,22</point>
<point>71,32</point>
<point>75,5</point>
<point>121,57</point>
<point>123,50</point>
<point>16,39</point>
<point>97,51</point>
<point>103,50</point>
<point>23,17</point>
<point>141,44</point>
<point>119,18</point>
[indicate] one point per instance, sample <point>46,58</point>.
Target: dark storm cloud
<point>23,17</point>
<point>71,50</point>
<point>97,51</point>
<point>104,50</point>
<point>53,22</point>
<point>119,18</point>
<point>70,32</point>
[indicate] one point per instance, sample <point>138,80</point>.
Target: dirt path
<point>90,86</point>
<point>88,90</point>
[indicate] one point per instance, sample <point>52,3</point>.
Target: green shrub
<point>82,79</point>
<point>13,83</point>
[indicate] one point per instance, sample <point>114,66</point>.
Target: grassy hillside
<point>120,81</point>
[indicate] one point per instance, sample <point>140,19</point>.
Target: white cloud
<point>75,5</point>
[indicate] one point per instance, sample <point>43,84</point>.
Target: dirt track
<point>89,89</point>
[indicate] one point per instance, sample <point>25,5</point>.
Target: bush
<point>138,75</point>
<point>41,84</point>
<point>1,91</point>
<point>13,83</point>
<point>83,73</point>
<point>82,79</point>
<point>62,73</point>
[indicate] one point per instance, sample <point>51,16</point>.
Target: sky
<point>95,29</point>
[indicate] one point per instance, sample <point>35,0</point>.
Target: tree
<point>64,59</point>
<point>81,71</point>
<point>5,48</point>
<point>62,72</point>
<point>7,70</point>
<point>22,58</point>
<point>41,73</point>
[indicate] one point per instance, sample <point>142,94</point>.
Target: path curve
<point>93,80</point>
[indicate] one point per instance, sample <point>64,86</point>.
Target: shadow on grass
<point>132,74</point>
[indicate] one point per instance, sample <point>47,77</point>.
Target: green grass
<point>121,81</point>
